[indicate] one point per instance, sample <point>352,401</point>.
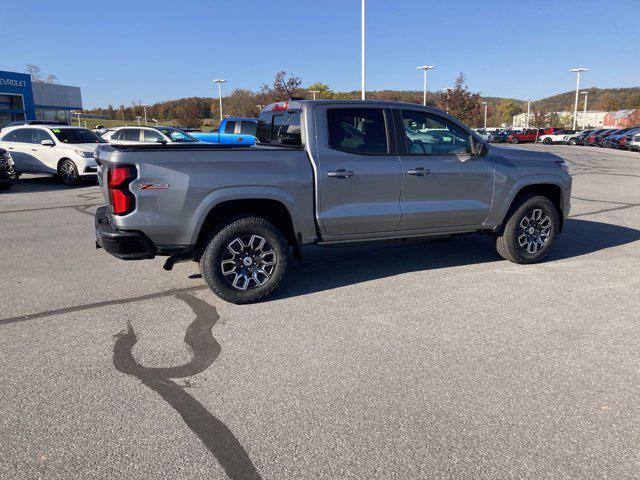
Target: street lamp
<point>485,115</point>
<point>528,112</point>
<point>144,107</point>
<point>259,107</point>
<point>154,120</point>
<point>362,48</point>
<point>575,107</point>
<point>314,93</point>
<point>138,117</point>
<point>424,87</point>
<point>220,81</point>
<point>586,95</point>
<point>446,98</point>
<point>78,114</point>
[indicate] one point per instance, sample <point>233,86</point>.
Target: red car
<point>531,134</point>
<point>527,135</point>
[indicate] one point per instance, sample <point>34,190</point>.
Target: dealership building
<point>23,99</point>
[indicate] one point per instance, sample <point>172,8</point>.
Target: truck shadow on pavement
<point>214,434</point>
<point>324,270</point>
<point>44,183</point>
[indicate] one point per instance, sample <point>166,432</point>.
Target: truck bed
<point>178,184</point>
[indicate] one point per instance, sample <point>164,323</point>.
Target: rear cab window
<point>230,127</point>
<point>280,125</point>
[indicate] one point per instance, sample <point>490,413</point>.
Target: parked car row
<point>66,151</point>
<point>622,138</point>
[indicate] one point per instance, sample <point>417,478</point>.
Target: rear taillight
<point>121,199</point>
<point>280,106</point>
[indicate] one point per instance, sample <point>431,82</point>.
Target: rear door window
<point>21,135</point>
<point>130,134</point>
<point>358,130</point>
<point>248,127</point>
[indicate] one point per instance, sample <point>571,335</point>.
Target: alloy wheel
<point>534,231</point>
<point>248,262</point>
<point>68,172</point>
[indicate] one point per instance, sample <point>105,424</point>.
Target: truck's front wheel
<point>530,231</point>
<point>245,261</point>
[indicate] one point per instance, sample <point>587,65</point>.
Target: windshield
<point>178,135</point>
<point>76,135</point>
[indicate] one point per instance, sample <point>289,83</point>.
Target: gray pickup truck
<point>324,173</point>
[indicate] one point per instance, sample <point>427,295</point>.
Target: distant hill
<point>605,99</point>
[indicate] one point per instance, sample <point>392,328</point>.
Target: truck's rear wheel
<point>245,261</point>
<point>530,231</point>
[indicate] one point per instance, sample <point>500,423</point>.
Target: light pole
<point>78,114</point>
<point>154,120</point>
<point>362,48</point>
<point>584,112</point>
<point>220,81</point>
<point>424,85</point>
<point>144,107</point>
<point>575,107</point>
<point>446,97</point>
<point>526,124</point>
<point>314,93</point>
<point>485,115</point>
<point>259,107</point>
<point>138,117</point>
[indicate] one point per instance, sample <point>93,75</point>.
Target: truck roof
<point>297,104</point>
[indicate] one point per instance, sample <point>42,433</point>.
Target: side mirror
<point>47,143</point>
<point>160,140</point>
<point>480,148</point>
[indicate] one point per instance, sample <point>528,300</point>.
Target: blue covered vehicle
<point>232,131</point>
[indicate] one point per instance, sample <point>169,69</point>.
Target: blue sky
<point>118,51</point>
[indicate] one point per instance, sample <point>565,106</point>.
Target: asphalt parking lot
<point>405,360</point>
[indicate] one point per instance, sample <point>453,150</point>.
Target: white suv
<point>58,150</point>
<point>137,135</point>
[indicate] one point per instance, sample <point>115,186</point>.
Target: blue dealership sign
<point>12,83</point>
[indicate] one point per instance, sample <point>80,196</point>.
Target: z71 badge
<point>154,186</point>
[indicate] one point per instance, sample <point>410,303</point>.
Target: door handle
<point>10,148</point>
<point>419,172</point>
<point>34,150</point>
<point>342,173</point>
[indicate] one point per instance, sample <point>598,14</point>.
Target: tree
<point>51,78</point>
<point>540,118</point>
<point>323,91</point>
<point>506,110</point>
<point>609,102</point>
<point>277,92</point>
<point>463,104</point>
<point>188,115</point>
<point>241,103</point>
<point>35,71</point>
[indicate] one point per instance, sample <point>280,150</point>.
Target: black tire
<point>6,184</point>
<point>572,141</point>
<point>68,173</point>
<point>508,244</point>
<point>217,252</point>
<point>514,140</point>
<point>547,141</point>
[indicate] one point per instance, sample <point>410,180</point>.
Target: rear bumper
<point>126,245</point>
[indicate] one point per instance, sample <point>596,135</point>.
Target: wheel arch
<point>548,189</point>
<point>272,209</point>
